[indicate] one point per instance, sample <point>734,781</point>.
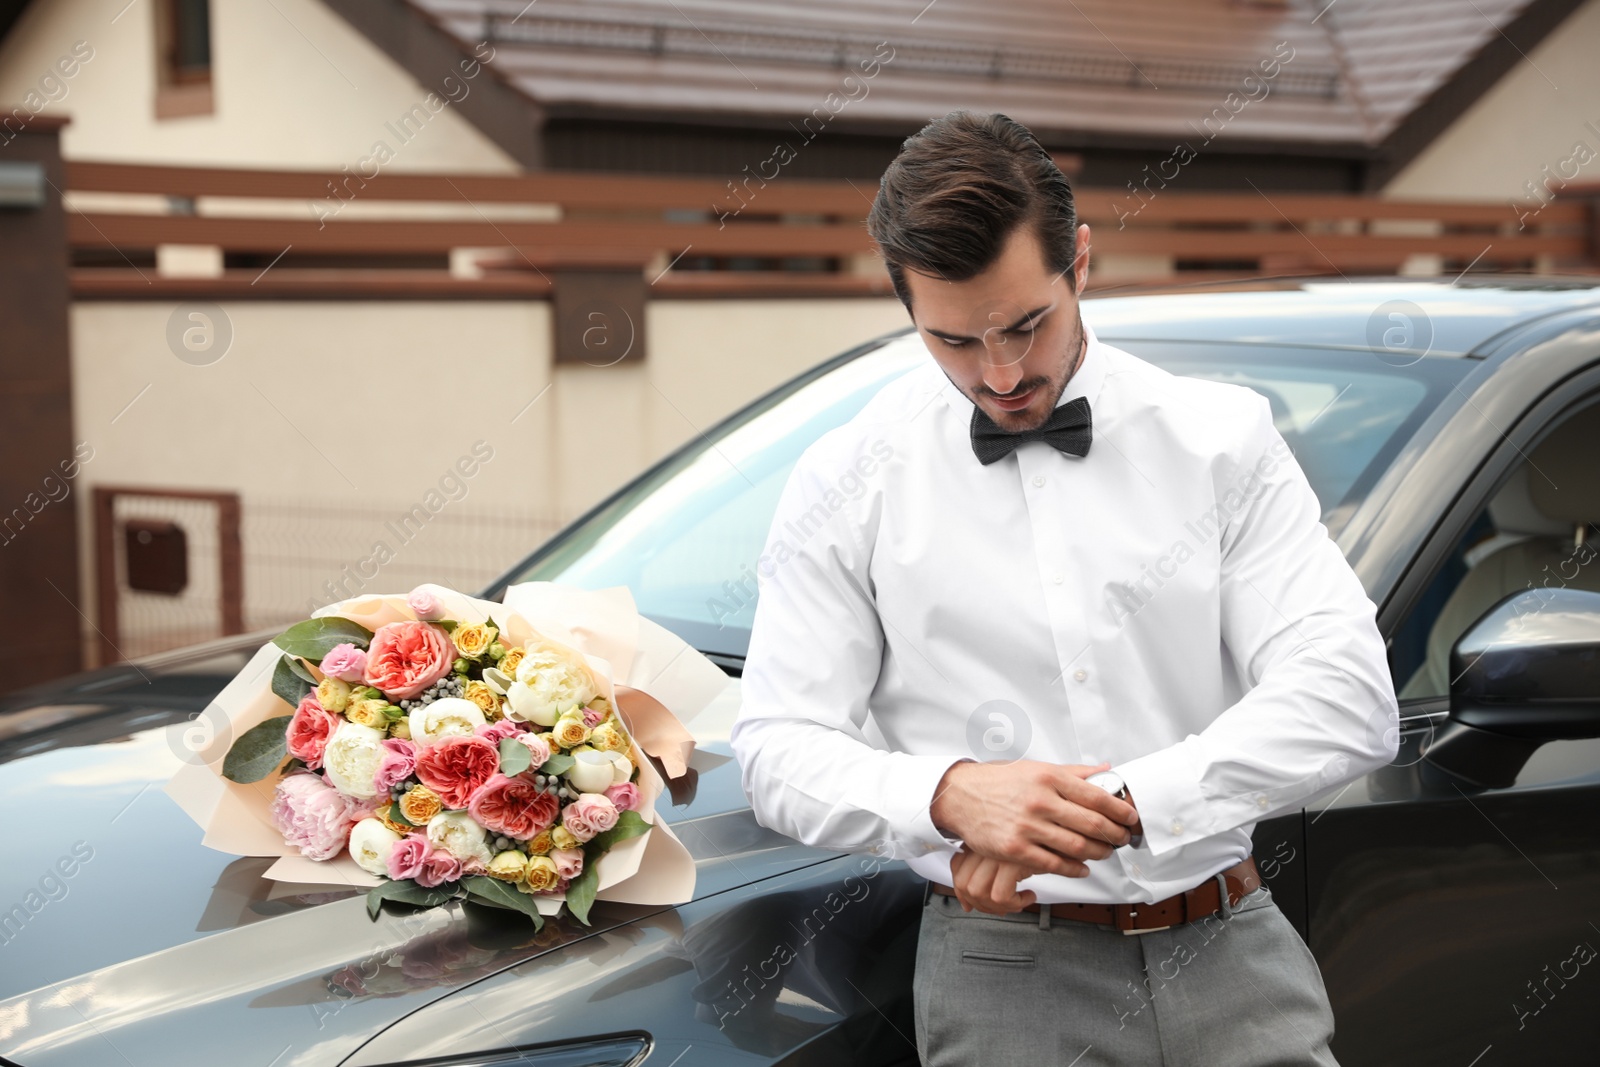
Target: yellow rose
<point>510,866</point>
<point>333,694</point>
<point>401,727</point>
<point>549,739</point>
<point>473,641</point>
<point>609,737</point>
<point>541,875</point>
<point>368,712</point>
<point>386,816</point>
<point>561,837</point>
<point>420,804</point>
<point>603,706</point>
<point>571,732</point>
<point>540,843</point>
<point>512,658</point>
<point>480,694</point>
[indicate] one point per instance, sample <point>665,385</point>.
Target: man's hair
<point>958,189</point>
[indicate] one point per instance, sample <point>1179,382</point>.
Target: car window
<point>1539,530</point>
<point>685,538</point>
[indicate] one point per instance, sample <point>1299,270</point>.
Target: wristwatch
<point>1112,783</point>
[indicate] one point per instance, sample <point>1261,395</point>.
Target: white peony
<point>591,771</point>
<point>352,757</point>
<point>548,683</point>
<point>447,717</point>
<point>370,845</point>
<point>458,834</point>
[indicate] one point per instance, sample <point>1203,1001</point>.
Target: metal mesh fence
<point>299,556</point>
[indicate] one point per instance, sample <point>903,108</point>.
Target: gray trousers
<point>1242,991</point>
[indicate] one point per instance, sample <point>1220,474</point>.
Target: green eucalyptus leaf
<point>560,763</point>
<point>315,638</point>
<point>447,625</point>
<point>514,756</point>
<point>500,894</point>
<point>405,892</point>
<point>580,892</point>
<point>630,824</point>
<point>288,683</point>
<point>257,752</point>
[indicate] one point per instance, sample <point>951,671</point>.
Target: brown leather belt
<point>1186,907</point>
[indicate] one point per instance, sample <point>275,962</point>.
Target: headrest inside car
<point>1565,479</point>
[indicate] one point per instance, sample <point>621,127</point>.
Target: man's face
<point>1008,337</point>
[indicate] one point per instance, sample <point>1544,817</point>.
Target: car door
<point>1457,924</point>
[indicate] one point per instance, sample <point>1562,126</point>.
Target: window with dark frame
<point>183,59</point>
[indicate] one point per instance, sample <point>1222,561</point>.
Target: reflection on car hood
<point>124,939</point>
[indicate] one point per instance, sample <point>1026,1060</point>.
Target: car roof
<point>1447,318</point>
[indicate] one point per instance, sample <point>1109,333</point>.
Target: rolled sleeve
<point>1319,702</point>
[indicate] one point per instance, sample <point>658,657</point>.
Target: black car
<point>1452,433</point>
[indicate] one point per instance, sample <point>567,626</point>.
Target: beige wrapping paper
<point>656,681</point>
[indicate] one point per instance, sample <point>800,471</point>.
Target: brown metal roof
<point>1140,68</point>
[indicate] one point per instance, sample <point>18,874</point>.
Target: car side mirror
<point>1525,673</point>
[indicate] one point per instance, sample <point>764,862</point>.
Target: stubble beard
<point>1034,415</point>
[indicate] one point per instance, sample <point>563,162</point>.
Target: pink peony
<point>439,867</point>
<point>590,814</point>
<point>425,604</point>
<point>456,767</point>
<point>495,732</point>
<point>345,662</point>
<point>405,859</point>
<point>312,815</point>
<point>514,807</point>
<point>309,731</point>
<point>569,861</point>
<point>399,763</point>
<point>408,657</point>
<point>625,796</point>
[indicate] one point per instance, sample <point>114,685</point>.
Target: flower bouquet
<point>433,747</point>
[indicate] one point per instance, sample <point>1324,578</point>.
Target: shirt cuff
<point>909,792</point>
<point>1165,787</point>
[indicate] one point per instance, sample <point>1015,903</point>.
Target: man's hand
<point>990,885</point>
<point>1040,816</point>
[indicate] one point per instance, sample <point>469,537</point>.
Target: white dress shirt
<point>1170,603</point>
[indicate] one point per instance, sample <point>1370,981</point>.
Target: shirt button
<point>1261,802</point>
<point>1058,579</point>
<point>1177,827</point>
<point>1038,479</point>
<point>1079,676</point>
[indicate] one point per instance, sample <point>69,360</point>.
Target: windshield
<point>686,536</point>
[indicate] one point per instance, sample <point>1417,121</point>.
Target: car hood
<point>124,939</point>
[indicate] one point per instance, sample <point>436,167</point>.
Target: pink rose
<point>538,750</point>
<point>556,890</point>
<point>399,763</point>
<point>313,816</point>
<point>625,796</point>
<point>590,814</point>
<point>344,662</point>
<point>514,807</point>
<point>456,767</point>
<point>569,861</point>
<point>495,732</point>
<point>439,867</point>
<point>593,718</point>
<point>408,657</point>
<point>309,731</point>
<point>425,604</point>
<point>405,859</point>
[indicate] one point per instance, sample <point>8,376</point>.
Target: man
<point>1072,560</point>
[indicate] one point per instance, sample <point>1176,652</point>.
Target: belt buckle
<point>1133,913</point>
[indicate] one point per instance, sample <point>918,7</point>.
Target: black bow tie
<point>1068,429</point>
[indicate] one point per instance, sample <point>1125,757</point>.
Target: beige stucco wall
<point>1534,116</point>
<point>294,84</point>
<point>364,406</point>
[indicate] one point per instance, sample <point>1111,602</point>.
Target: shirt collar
<point>1085,381</point>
